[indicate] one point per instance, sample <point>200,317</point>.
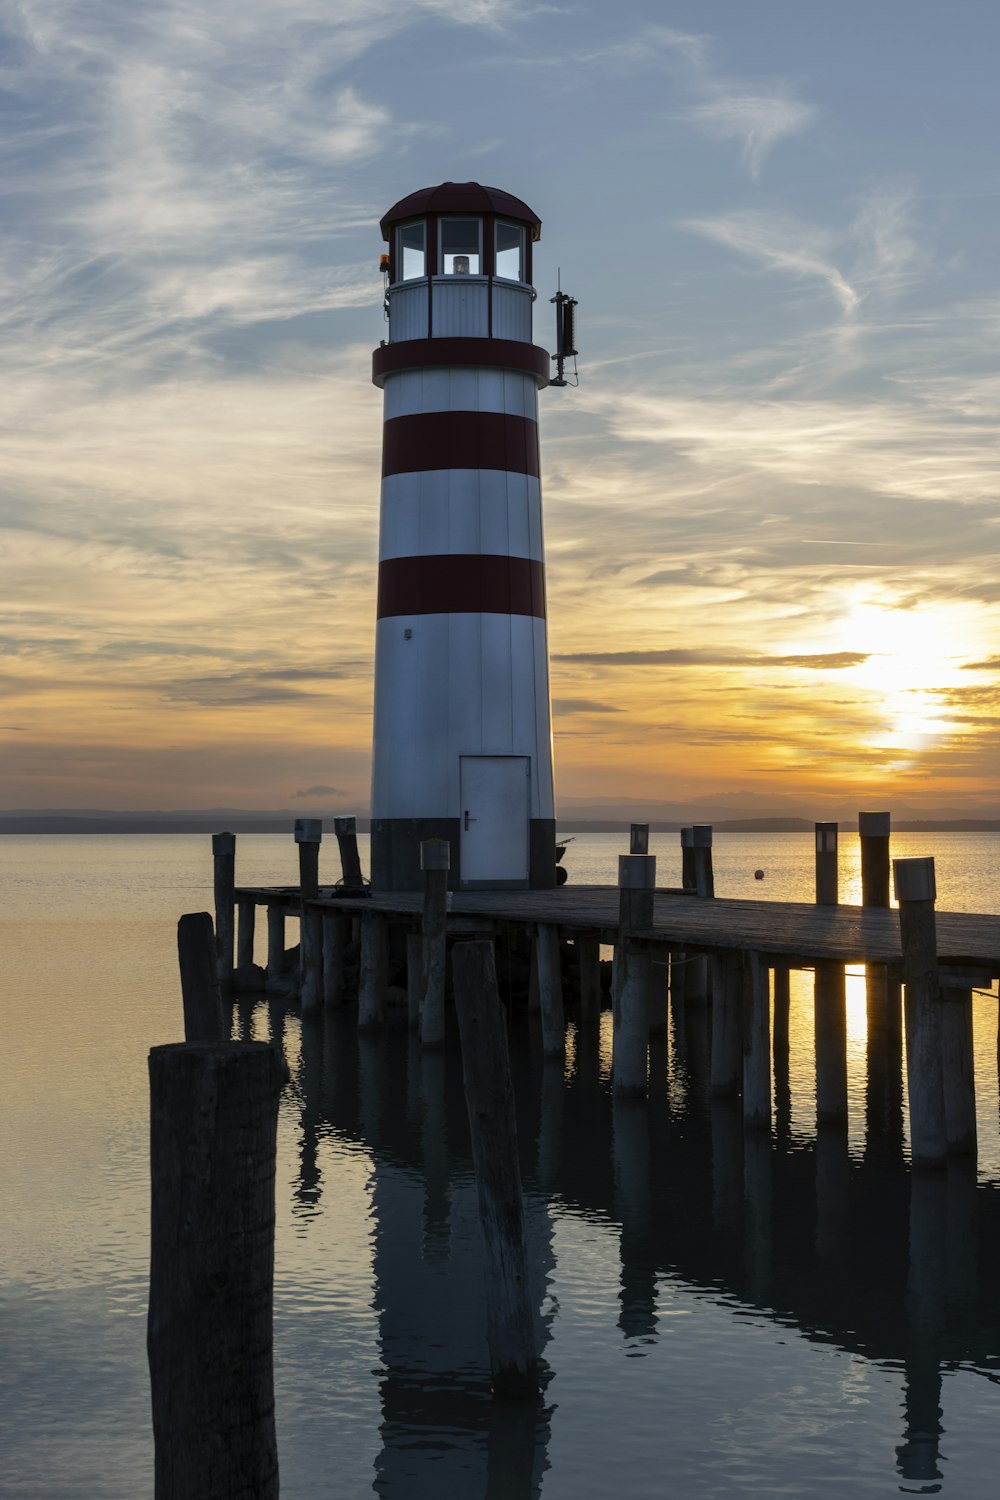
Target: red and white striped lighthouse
<point>462,734</point>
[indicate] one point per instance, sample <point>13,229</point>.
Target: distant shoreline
<point>66,823</point>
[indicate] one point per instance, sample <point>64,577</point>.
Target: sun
<point>913,655</point>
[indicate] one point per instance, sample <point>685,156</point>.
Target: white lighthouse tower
<point>462,733</point>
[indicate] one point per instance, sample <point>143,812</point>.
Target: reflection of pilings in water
<point>243,1010</point>
<point>961,1267</point>
<point>307,1190</point>
<point>832,1189</point>
<point>517,1443</point>
<point>637,1318</point>
<point>698,1047</point>
<point>727,1166</point>
<point>918,1456</point>
<point>757,1197</point>
<point>551,1124</point>
<point>434,1149</point>
<point>659,1073</point>
<point>727,1025</point>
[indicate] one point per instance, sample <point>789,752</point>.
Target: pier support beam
<point>827,892</point>
<point>246,922</point>
<point>435,861</point>
<point>374,971</point>
<point>224,861</point>
<point>588,956</point>
<point>957,1070</point>
<point>636,883</point>
<point>756,1044</point>
<point>336,938</point>
<point>727,1025</point>
<point>308,836</point>
<point>275,941</point>
<point>830,1019</point>
<point>550,993</point>
<point>916,890</point>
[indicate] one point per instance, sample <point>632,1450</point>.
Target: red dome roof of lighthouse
<point>461,198</point>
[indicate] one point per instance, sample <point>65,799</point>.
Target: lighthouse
<point>462,740</point>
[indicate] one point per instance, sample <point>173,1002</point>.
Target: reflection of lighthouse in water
<point>462,732</point>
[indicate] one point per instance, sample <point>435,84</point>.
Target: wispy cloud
<point>687,657</point>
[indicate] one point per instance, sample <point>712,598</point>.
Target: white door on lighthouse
<point>494,824</point>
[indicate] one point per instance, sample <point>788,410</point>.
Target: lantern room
<point>459,264</point>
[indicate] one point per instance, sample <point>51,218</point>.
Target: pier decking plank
<point>787,930</point>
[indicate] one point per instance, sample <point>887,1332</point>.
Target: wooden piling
<point>636,883</point>
<point>336,937</point>
<point>224,861</point>
<point>701,851</point>
<point>827,893</point>
<point>490,1099</point>
<point>550,993</point>
<point>246,921</point>
<point>203,1014</point>
<point>213,1131</point>
<point>957,1070</point>
<point>308,836</point>
<point>756,1044</point>
<point>346,829</point>
<point>588,954</point>
<point>435,860</point>
<point>782,988</point>
<point>687,859</point>
<point>275,940</point>
<point>830,1030</point>
<point>374,971</point>
<point>916,891</point>
<point>414,979</point>
<point>727,1025</point>
<point>873,834</point>
<point>638,838</point>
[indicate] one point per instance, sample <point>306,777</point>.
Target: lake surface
<point>791,1317</point>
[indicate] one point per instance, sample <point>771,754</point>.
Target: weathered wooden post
<point>246,922</point>
<point>636,884</point>
<point>957,1066</point>
<point>830,1029</point>
<point>346,829</point>
<point>275,942</point>
<point>882,993</point>
<point>224,861</point>
<point>336,937</point>
<point>204,1019</point>
<point>701,851</point>
<point>414,979</point>
<point>308,836</point>
<point>756,1044</point>
<point>687,859</point>
<point>873,835</point>
<point>782,988</point>
<point>374,975</point>
<point>435,861</point>
<point>638,838</point>
<point>550,993</point>
<point>916,890</point>
<point>727,1025</point>
<point>588,953</point>
<point>213,1130</point>
<point>490,1099</point>
<point>827,893</point>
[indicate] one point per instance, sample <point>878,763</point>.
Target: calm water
<point>786,1318</point>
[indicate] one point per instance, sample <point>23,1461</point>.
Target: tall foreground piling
<point>213,1131</point>
<point>203,1015</point>
<point>490,1098</point>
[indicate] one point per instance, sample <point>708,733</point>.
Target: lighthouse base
<point>395,855</point>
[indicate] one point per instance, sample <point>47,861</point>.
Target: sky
<point>772,530</point>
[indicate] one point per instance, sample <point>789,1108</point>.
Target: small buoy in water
<point>758,874</point>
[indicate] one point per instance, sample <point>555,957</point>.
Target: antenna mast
<point>565,331</point>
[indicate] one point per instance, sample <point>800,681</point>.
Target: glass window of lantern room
<point>411,251</point>
<point>460,246</point>
<point>510,251</point>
